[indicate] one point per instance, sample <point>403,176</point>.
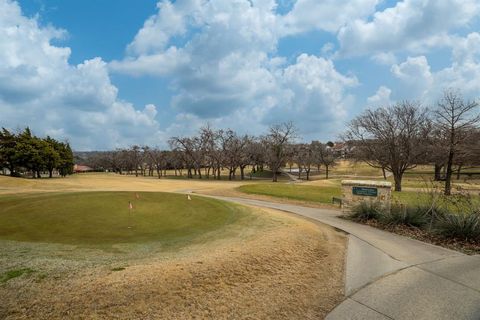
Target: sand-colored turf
<point>269,266</point>
<point>287,269</point>
<point>112,182</point>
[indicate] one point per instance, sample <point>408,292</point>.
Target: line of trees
<point>397,138</point>
<point>25,153</point>
<point>211,152</point>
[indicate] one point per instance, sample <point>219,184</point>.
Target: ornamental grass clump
<point>366,211</point>
<point>417,216</point>
<point>462,226</point>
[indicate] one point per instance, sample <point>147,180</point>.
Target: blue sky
<point>107,74</point>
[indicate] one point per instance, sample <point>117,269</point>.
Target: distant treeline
<point>24,153</point>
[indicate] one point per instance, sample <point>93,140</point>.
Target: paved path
<point>393,277</point>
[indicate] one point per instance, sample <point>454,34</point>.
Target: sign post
<point>355,192</point>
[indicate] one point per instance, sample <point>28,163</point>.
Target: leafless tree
<point>327,157</point>
<point>304,157</point>
<point>276,141</point>
<point>456,119</point>
<point>158,158</point>
<point>391,137</point>
<point>191,149</point>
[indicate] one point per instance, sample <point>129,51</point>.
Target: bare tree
<point>327,157</point>
<point>158,158</point>
<point>191,149</point>
<point>455,118</point>
<point>276,142</point>
<point>304,156</point>
<point>391,137</point>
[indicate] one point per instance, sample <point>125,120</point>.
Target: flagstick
<point>130,208</point>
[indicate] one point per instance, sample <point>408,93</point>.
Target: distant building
<point>341,149</point>
<point>79,168</point>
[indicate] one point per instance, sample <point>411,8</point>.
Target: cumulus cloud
<point>313,91</point>
<point>328,15</point>
<point>40,89</point>
<point>229,68</point>
<point>417,80</point>
<point>380,98</point>
<point>410,24</point>
<point>222,63</point>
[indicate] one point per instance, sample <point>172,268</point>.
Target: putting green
<point>93,218</point>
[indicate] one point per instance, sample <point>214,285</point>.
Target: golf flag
<point>188,197</point>
<point>130,205</point>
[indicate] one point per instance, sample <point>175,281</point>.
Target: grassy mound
<point>292,191</point>
<point>99,218</point>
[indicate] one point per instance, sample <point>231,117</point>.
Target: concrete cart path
<point>393,277</point>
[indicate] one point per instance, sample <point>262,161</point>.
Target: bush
<point>410,216</point>
<point>366,211</point>
<point>465,226</point>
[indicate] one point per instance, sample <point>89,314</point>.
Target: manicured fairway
<point>292,191</point>
<point>92,218</point>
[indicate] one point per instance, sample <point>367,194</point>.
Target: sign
<point>365,191</point>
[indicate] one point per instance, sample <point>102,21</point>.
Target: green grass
<point>293,191</point>
<point>103,218</point>
<point>4,277</point>
<point>262,174</point>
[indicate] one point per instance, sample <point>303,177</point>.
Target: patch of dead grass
<point>291,270</point>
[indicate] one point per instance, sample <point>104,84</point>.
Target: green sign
<point>364,191</point>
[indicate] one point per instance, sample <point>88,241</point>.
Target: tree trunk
<point>50,173</point>
<point>326,172</point>
<point>159,172</point>
<point>459,171</point>
<point>398,181</point>
<point>274,178</point>
<point>384,174</point>
<point>242,172</point>
<point>308,174</point>
<point>438,171</point>
<point>448,175</point>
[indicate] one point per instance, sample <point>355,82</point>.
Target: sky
<point>113,73</point>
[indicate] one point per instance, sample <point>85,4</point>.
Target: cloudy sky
<point>112,73</point>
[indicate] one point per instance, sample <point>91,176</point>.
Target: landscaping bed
<point>449,221</point>
<point>466,246</point>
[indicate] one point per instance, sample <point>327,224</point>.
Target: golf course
<point>104,245</point>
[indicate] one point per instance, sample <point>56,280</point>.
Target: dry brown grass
<point>282,267</point>
<point>291,270</point>
<point>111,182</point>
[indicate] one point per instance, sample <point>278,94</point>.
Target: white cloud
<point>417,81</point>
<point>413,25</point>
<point>327,15</point>
<point>385,58</point>
<point>415,76</point>
<point>381,98</point>
<point>228,69</point>
<point>40,89</point>
<point>315,93</point>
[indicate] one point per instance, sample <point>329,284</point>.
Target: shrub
<point>366,211</point>
<point>465,226</point>
<point>410,216</point>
